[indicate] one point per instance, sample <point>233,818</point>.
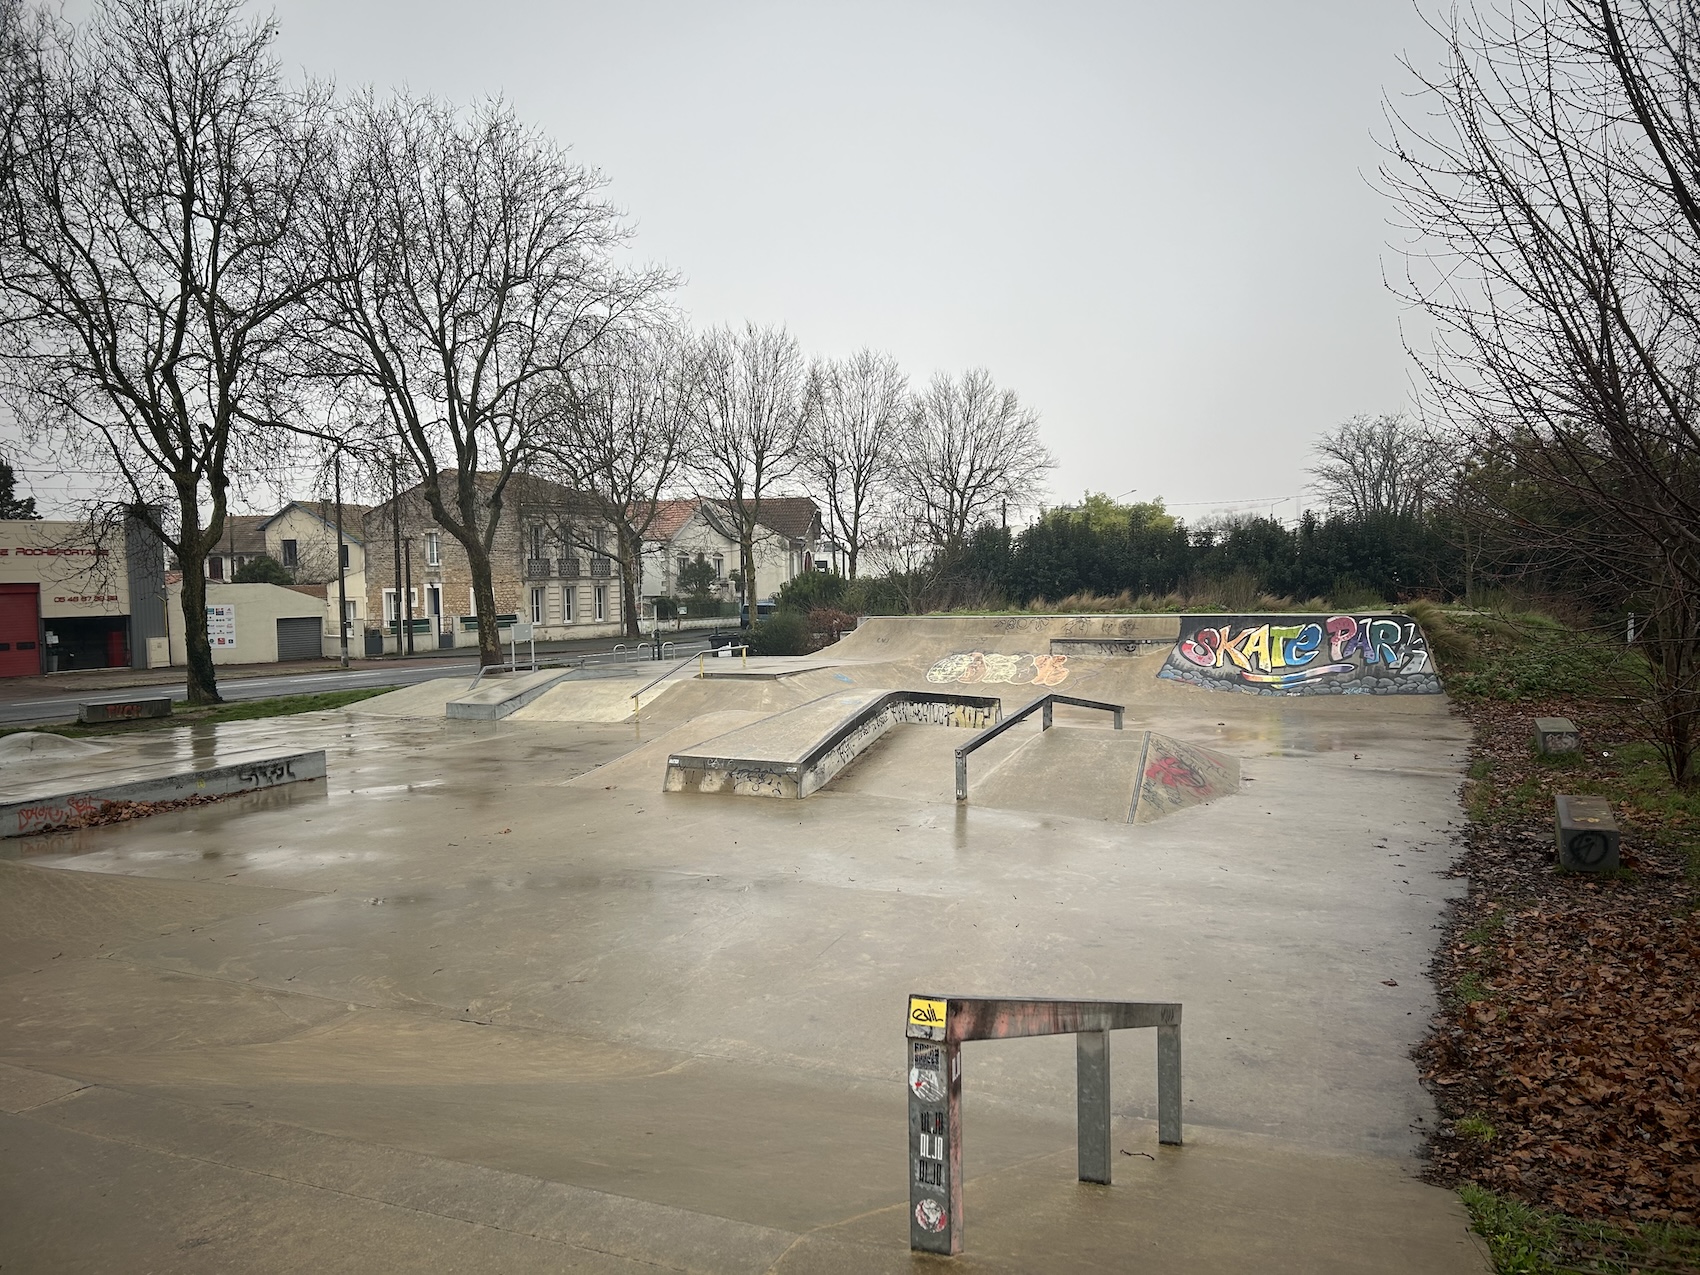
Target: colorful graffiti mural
<point>1303,655</point>
<point>1020,669</point>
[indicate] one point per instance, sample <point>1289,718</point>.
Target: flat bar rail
<point>937,1028</point>
<point>1043,705</point>
<point>684,663</point>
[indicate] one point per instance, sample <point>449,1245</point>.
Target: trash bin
<point>718,640</point>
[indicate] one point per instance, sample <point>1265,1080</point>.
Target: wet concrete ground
<point>472,1005</point>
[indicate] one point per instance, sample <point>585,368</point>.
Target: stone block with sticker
<point>1587,834</point>
<point>1556,735</point>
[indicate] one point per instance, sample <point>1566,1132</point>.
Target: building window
<point>291,553</point>
<point>683,563</point>
<point>601,603</point>
<point>344,549</point>
<point>537,606</point>
<point>434,599</point>
<point>566,606</point>
<point>471,603</point>
<point>390,616</point>
<point>537,542</point>
<point>719,567</point>
<point>433,549</point>
<point>215,568</point>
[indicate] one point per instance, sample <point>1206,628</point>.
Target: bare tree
<point>856,415</point>
<point>620,427</point>
<point>750,417</point>
<point>1550,187</point>
<point>470,262</point>
<point>971,450</point>
<point>1379,466</point>
<point>151,190</point>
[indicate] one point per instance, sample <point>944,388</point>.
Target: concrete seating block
<point>124,710</point>
<point>1556,735</point>
<point>1587,834</point>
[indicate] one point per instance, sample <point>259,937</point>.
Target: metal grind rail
<point>937,1029</point>
<point>1042,705</point>
<point>682,664</point>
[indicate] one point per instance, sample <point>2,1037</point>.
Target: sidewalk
<point>112,679</point>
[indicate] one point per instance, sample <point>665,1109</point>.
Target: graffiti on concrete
<point>1175,775</point>
<point>1020,669</point>
<point>57,813</point>
<point>935,713</point>
<point>1303,655</point>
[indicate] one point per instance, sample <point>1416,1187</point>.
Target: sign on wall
<point>221,626</point>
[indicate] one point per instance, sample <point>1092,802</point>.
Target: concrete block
<point>1555,735</point>
<point>1587,834</point>
<point>125,710</point>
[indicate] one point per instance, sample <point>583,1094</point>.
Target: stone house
<point>546,567</point>
<point>302,537</point>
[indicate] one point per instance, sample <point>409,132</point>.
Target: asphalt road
<point>63,708</point>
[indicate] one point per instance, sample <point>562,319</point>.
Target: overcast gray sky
<point>1153,221</point>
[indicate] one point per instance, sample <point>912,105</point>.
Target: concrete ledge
<point>497,697</point>
<point>1587,834</point>
<point>1556,735</point>
<point>774,759</point>
<point>124,710</point>
<point>44,812</point>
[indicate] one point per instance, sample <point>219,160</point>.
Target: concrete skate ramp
<point>423,699</point>
<point>1373,654</point>
<point>996,655</point>
<point>797,752</point>
<point>1113,776</point>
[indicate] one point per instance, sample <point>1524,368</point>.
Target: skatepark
<point>606,969</point>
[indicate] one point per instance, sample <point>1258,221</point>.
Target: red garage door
<point>20,630</point>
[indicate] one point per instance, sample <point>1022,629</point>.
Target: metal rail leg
<point>1092,1111</point>
<point>1169,1084</point>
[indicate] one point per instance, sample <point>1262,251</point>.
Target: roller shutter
<point>298,638</point>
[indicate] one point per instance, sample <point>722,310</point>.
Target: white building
<point>787,543</point>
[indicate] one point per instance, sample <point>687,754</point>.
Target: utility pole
<point>341,561</point>
<point>407,590</point>
<point>395,527</point>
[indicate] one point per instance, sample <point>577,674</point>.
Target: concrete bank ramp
<point>798,751</point>
<point>501,696</point>
<point>422,699</point>
<point>1109,775</point>
<point>29,747</point>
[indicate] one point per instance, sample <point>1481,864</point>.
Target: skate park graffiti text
<point>1303,655</point>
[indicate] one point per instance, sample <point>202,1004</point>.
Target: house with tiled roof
<point>682,530</point>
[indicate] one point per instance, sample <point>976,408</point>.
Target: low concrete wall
<point>248,774</point>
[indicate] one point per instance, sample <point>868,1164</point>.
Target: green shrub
<point>264,569</point>
<point>782,633</point>
<point>811,590</point>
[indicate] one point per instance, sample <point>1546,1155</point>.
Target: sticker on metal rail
<point>926,1018</point>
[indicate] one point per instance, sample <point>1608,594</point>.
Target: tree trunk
<point>484,595</point>
<point>202,681</point>
<point>631,562</point>
<point>747,564</point>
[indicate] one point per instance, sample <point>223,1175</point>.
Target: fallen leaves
<point>1572,1027</point>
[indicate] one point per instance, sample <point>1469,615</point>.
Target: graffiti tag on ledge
<point>1302,655</point>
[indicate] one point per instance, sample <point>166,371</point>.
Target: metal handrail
<point>656,682</point>
<point>1041,705</point>
<point>703,655</point>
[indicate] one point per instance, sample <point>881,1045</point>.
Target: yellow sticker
<point>926,1013</point>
